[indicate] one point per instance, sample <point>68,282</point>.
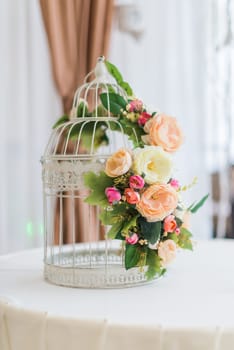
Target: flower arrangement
<point>139,197</point>
<point>141,203</point>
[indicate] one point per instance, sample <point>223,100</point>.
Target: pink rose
<point>169,224</point>
<point>135,106</point>
<point>144,117</point>
<point>175,183</point>
<point>133,239</point>
<point>113,195</point>
<point>167,251</point>
<point>136,181</point>
<point>132,197</point>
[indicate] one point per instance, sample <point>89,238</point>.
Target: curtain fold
<point>78,32</point>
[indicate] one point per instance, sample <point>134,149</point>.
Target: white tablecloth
<point>191,308</point>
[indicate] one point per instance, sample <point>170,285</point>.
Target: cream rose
<point>164,131</point>
<point>119,163</point>
<point>184,215</point>
<point>167,251</point>
<point>157,202</point>
<point>154,163</point>
<point>186,219</point>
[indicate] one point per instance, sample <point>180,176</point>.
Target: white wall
<point>29,105</point>
<point>167,68</point>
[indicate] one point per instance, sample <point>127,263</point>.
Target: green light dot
<point>29,229</point>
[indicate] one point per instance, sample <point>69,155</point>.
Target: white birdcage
<point>87,258</point>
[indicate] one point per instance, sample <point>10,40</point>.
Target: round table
<point>191,307</point>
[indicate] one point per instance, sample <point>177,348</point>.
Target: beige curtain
<point>78,32</point>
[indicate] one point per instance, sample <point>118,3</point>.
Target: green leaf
<point>154,264</point>
<point>82,110</point>
<point>190,207</point>
<point>100,111</point>
<point>120,236</point>
<point>114,125</point>
<point>127,88</point>
<point>173,236</point>
<point>111,89</point>
<point>184,240</point>
<point>113,102</point>
<point>150,230</point>
<point>61,120</point>
<point>100,137</point>
<point>194,208</point>
<point>133,130</point>
<point>97,184</point>
<point>113,70</point>
<point>132,256</point>
<point>129,223</point>
<point>114,214</point>
<point>115,230</point>
<point>121,217</point>
<point>178,221</point>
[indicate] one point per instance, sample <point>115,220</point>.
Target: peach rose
<point>119,163</point>
<point>157,202</point>
<point>164,131</point>
<point>167,251</point>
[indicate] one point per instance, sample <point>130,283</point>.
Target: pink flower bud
<point>144,117</point>
<point>169,224</point>
<point>132,197</point>
<point>177,231</point>
<point>135,106</point>
<point>133,239</point>
<point>113,195</point>
<point>136,181</point>
<point>175,183</point>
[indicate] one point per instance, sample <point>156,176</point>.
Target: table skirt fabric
<point>191,308</point>
<point>22,329</point>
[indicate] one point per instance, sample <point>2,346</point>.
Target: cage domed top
<point>113,213</point>
<point>90,125</point>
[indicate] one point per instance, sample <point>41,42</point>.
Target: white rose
<point>154,163</point>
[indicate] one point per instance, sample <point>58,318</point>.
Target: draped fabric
<point>78,32</point>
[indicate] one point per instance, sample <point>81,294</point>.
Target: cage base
<point>98,273</point>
